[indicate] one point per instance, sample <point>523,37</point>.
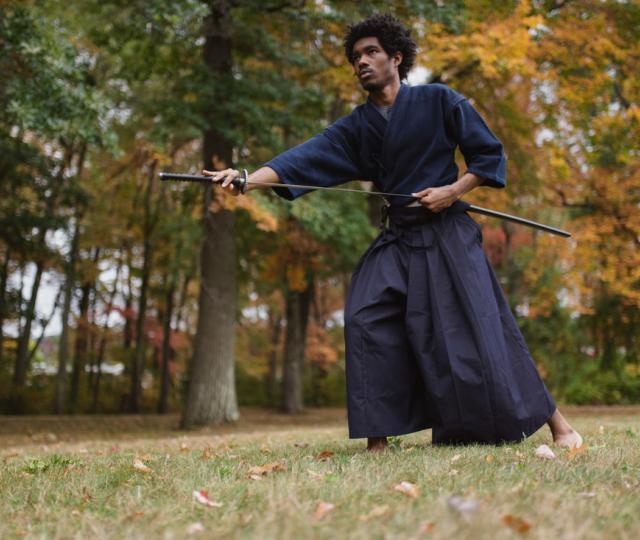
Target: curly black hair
<point>393,37</point>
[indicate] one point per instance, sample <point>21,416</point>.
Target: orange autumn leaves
<point>560,87</point>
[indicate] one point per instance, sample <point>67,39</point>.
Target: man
<point>430,339</point>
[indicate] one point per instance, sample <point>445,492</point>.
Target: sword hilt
<point>241,183</point>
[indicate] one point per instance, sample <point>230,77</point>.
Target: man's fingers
<point>217,176</point>
<point>420,194</point>
<point>225,177</point>
<point>230,177</point>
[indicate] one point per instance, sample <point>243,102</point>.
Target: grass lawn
<point>271,483</point>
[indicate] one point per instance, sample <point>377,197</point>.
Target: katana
<point>243,182</point>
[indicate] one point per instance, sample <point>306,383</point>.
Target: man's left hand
<point>438,198</point>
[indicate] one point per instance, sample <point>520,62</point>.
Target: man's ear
<point>398,58</point>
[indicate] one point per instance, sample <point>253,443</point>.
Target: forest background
<point>121,293</point>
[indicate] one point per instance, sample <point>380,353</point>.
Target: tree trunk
<point>103,341</point>
<point>181,306</point>
<point>165,380</point>
<point>211,395</point>
<point>297,311</point>
<point>22,356</point>
<point>63,346</point>
<point>127,335</point>
<point>44,324</point>
<point>138,362</point>
<point>272,374</point>
<point>4,274</point>
<point>93,325</point>
<point>80,352</point>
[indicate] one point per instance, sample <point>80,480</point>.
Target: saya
<point>243,182</point>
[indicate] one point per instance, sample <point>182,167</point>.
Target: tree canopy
<point>98,97</point>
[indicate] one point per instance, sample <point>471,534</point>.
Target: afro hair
<point>393,37</point>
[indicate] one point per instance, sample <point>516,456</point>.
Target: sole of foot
<point>568,440</point>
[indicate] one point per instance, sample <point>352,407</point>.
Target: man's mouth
<point>365,73</point>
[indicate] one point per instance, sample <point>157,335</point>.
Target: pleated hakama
<point>431,341</point>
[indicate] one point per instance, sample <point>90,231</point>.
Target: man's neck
<point>386,95</point>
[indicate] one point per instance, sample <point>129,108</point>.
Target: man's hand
<point>438,198</point>
<point>224,178</point>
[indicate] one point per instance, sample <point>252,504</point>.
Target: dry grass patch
<point>315,483</point>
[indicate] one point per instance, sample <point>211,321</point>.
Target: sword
<point>241,184</point>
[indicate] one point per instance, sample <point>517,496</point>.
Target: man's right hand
<point>224,178</point>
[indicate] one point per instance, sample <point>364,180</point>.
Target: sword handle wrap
<point>242,183</point>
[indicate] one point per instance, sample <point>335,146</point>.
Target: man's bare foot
<point>563,434</point>
<point>573,439</point>
<point>376,444</point>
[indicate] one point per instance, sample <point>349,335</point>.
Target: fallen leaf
<point>202,497</point>
<point>315,475</point>
<point>255,477</point>
<point>325,455</point>
<point>195,528</point>
<point>588,494</point>
<point>184,447</point>
<point>146,457</point>
<point>266,469</point>
<point>407,488</point>
<point>463,506</point>
<point>265,449</point>
<point>322,510</point>
<point>544,452</point>
<point>301,444</point>
<point>453,472</point>
<point>426,527</point>
<point>489,458</point>
<point>7,457</point>
<point>516,523</point>
<point>376,511</point>
<point>138,465</point>
<point>601,430</point>
<point>135,515</point>
<point>576,451</point>
<point>114,449</point>
<point>207,453</point>
<point>456,458</point>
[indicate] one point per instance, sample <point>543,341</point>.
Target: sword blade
<point>207,180</point>
<point>472,208</point>
<point>519,220</point>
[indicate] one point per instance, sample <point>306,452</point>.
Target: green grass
<point>93,491</point>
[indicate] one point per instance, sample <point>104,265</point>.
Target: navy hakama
<point>430,339</point>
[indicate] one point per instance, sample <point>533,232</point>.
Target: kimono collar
<point>403,88</point>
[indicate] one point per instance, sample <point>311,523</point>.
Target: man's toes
<point>570,440</point>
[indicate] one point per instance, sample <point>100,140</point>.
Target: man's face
<point>371,64</point>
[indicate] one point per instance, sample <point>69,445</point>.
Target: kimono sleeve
<point>482,151</point>
<point>326,160</point>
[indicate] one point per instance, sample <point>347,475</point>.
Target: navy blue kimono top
<point>411,152</point>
